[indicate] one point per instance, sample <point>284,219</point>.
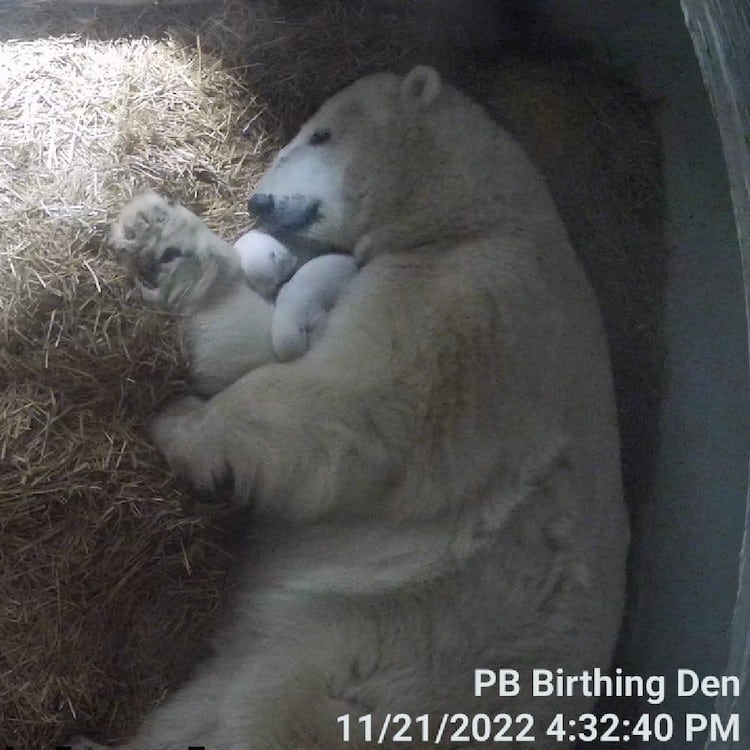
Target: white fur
<point>436,484</point>
<point>266,263</point>
<point>226,324</point>
<point>305,294</point>
<point>305,301</point>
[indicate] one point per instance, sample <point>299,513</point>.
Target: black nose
<point>261,204</point>
<point>288,213</point>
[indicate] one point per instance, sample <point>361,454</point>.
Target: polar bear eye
<point>171,253</point>
<point>319,137</point>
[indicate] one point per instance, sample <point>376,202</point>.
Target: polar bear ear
<point>421,85</point>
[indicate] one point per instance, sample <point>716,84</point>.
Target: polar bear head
<point>321,184</point>
<point>393,162</point>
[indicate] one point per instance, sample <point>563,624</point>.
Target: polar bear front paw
<point>192,444</point>
<point>176,259</point>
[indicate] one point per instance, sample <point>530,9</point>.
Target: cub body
<point>304,294</point>
<point>305,302</point>
<point>266,263</point>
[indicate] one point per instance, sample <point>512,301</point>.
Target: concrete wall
<point>689,610</point>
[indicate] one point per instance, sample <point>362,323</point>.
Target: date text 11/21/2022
<point>459,728</point>
<point>501,728</point>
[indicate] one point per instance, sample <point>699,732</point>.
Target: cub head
<point>352,165</point>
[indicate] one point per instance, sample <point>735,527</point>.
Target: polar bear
<point>304,304</point>
<point>266,262</point>
<point>304,295</point>
<point>436,484</point>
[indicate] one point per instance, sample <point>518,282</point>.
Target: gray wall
<point>688,547</point>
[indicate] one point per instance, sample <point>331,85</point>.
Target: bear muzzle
<point>288,213</point>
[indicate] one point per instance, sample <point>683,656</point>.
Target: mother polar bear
<point>436,484</point>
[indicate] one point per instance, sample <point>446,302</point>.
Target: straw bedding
<point>111,573</point>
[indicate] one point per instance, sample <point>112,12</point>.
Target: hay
<point>110,573</point>
<point>108,578</point>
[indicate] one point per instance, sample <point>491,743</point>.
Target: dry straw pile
<point>110,573</point>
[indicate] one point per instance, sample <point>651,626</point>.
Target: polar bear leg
<point>293,442</point>
<point>188,717</point>
<point>82,743</point>
<point>191,443</point>
<point>181,264</point>
<point>229,339</point>
<point>178,261</point>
